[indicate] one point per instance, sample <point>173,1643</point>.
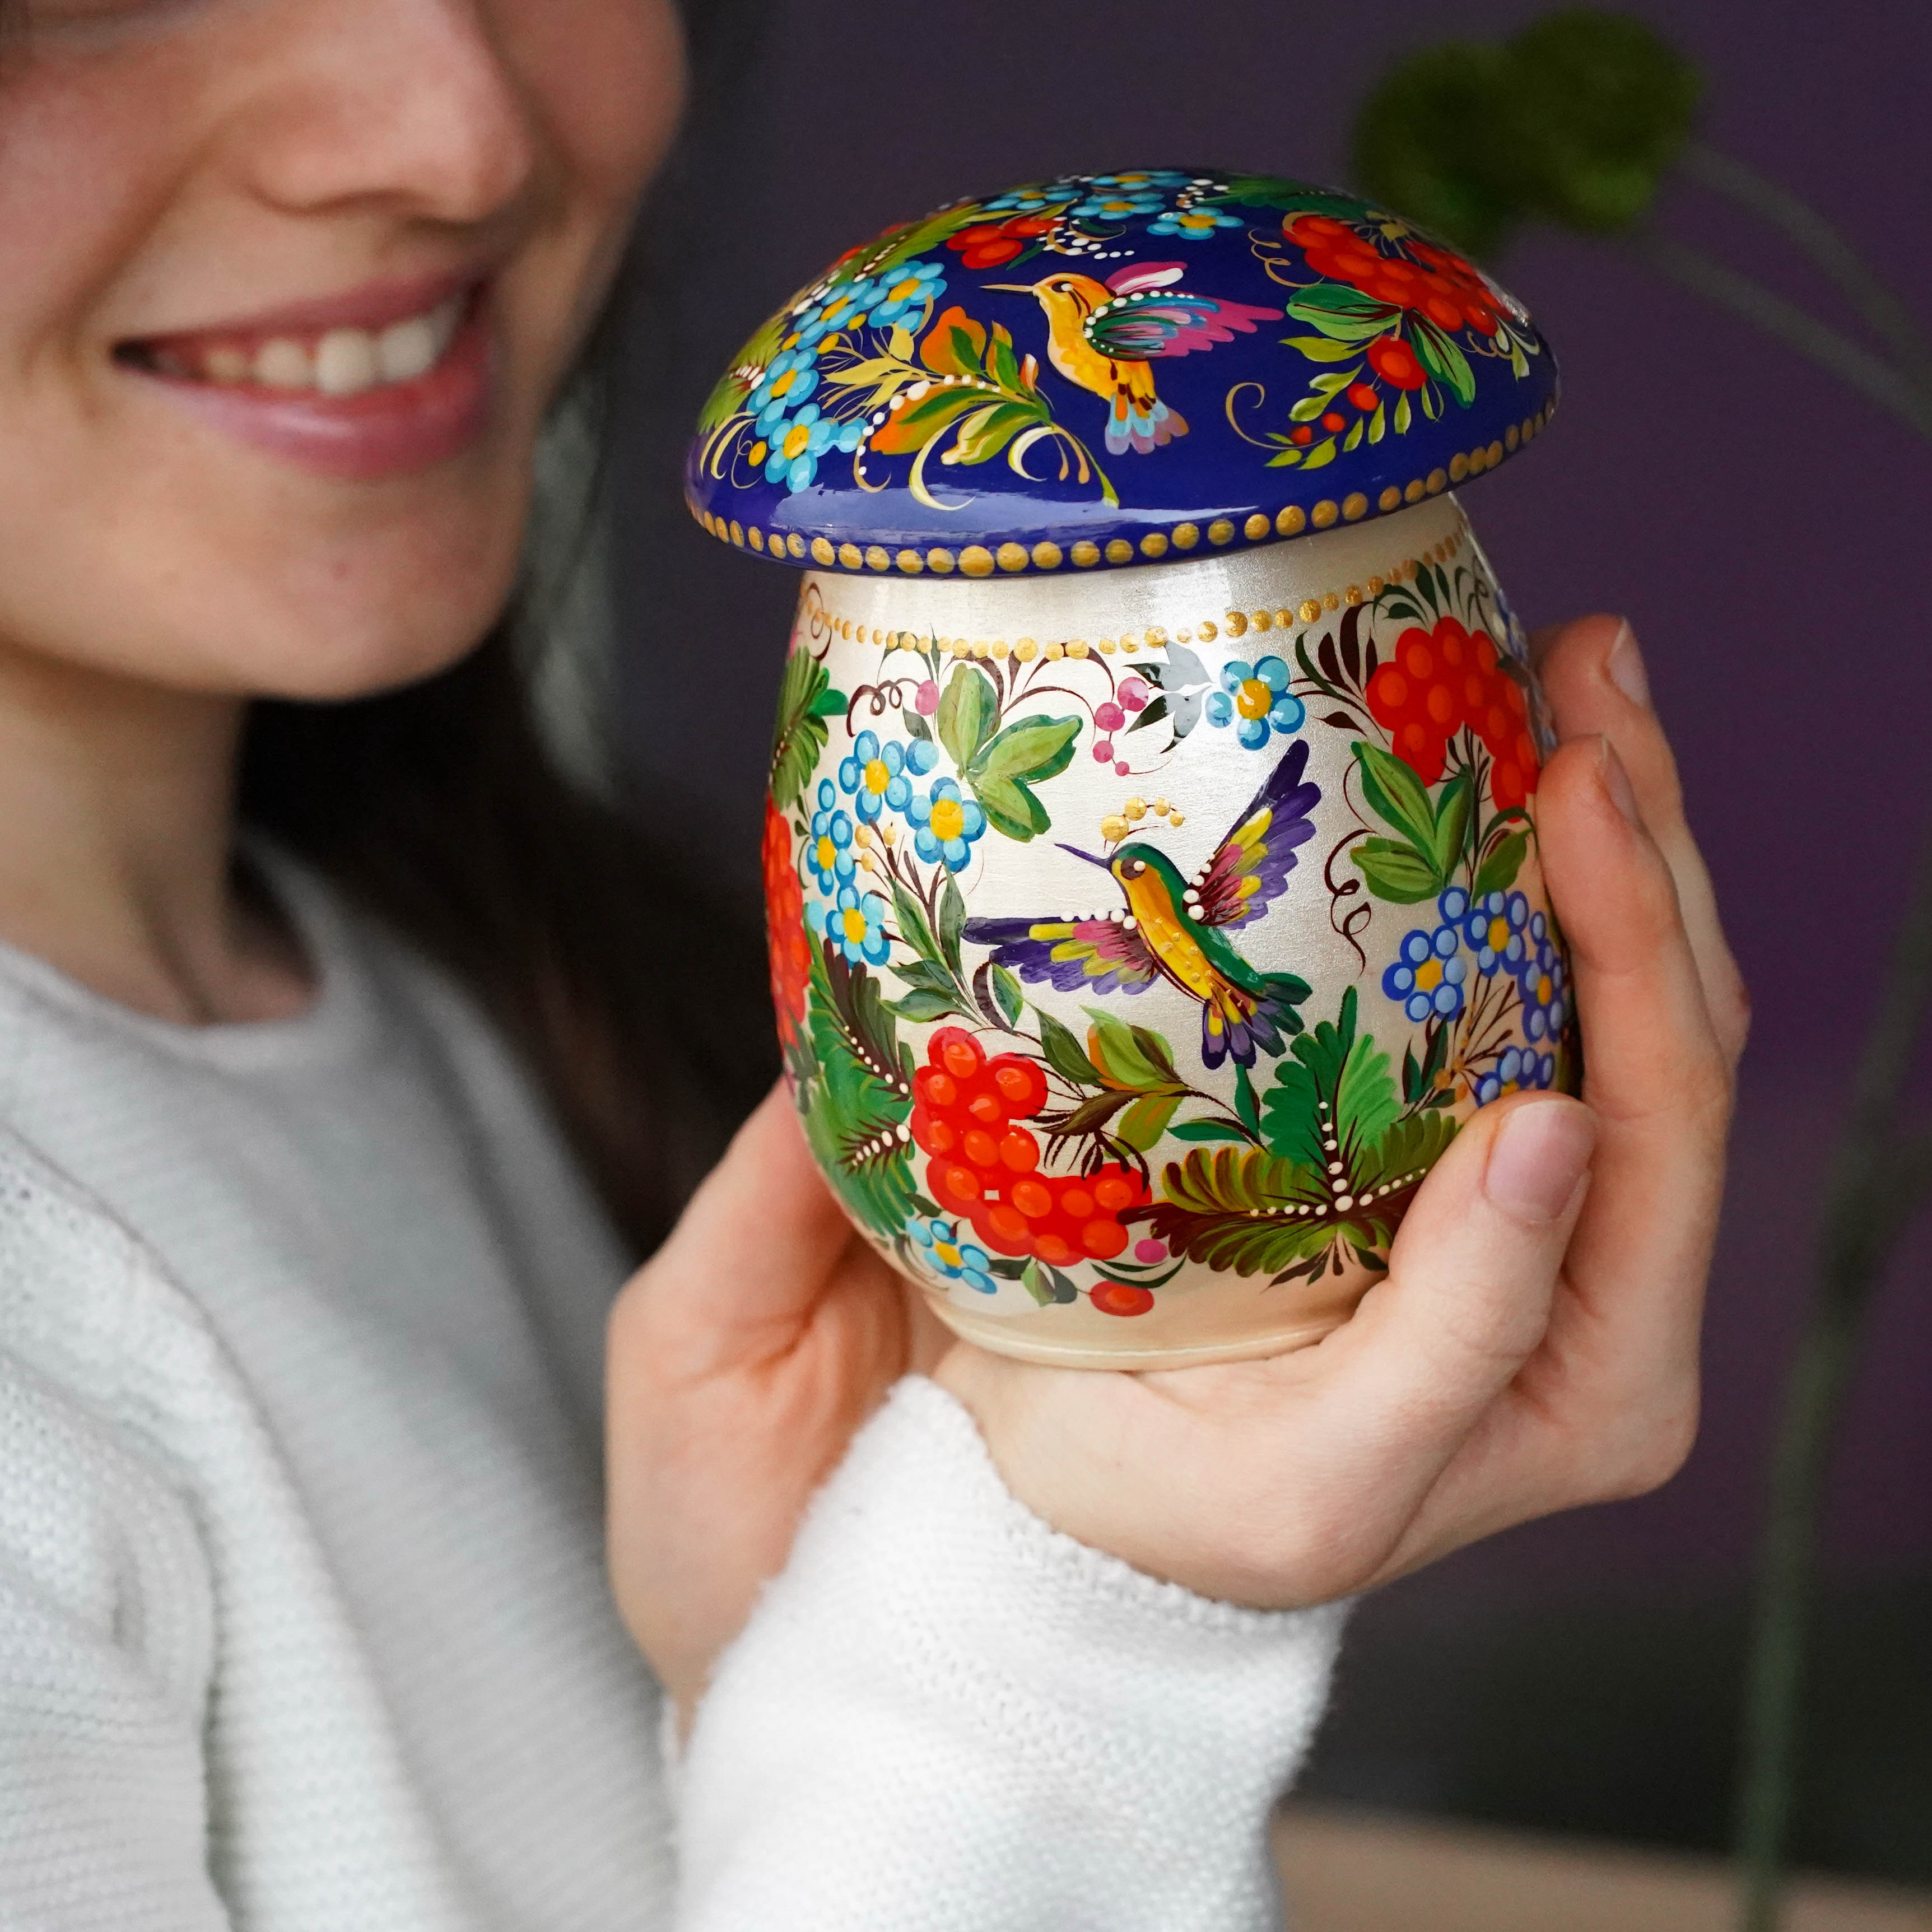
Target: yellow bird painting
<point>1104,336</point>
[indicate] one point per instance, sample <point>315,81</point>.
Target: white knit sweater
<point>303,1620</point>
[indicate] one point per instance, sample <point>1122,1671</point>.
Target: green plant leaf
<point>1438,354</point>
<point>1397,873</point>
<point>1006,991</point>
<point>1156,1051</point>
<point>1064,1053</point>
<point>968,710</point>
<point>914,928</point>
<point>1343,313</point>
<point>1027,751</point>
<point>1498,872</point>
<point>1247,1108</point>
<point>1451,829</point>
<point>952,923</point>
<point>918,423</point>
<point>1396,795</point>
<point>1047,1285</point>
<point>1235,1210</point>
<point>1128,1057</point>
<point>1320,455</point>
<point>1010,809</point>
<point>1206,1130</point>
<point>1289,196</point>
<point>799,735</point>
<point>1324,348</point>
<point>862,1094</point>
<point>926,974</point>
<point>1002,364</point>
<point>920,1005</point>
<point>1367,1103</point>
<point>1418,1076</point>
<point>1410,1147</point>
<point>1093,1114</point>
<point>988,431</point>
<point>1293,1124</point>
<point>1143,1124</point>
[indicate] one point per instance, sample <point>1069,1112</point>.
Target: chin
<point>389,649</point>
<point>371,617</point>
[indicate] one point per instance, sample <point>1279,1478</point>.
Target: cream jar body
<point>1140,939</point>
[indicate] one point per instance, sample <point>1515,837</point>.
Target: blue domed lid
<point>1115,369</point>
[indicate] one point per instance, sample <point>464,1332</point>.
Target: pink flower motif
<point>927,702</point>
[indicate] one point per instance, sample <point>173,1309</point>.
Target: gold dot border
<point>1231,624</point>
<point>1013,558</point>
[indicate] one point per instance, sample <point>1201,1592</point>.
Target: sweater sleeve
<point>944,1713</point>
<point>106,1625</point>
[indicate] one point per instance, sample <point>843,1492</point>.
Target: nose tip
<point>429,115</point>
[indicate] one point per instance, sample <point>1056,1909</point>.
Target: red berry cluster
<point>984,1167</point>
<point>986,244</point>
<point>1437,682</point>
<point>788,950</point>
<point>1429,279</point>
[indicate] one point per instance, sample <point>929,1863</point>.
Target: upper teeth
<point>344,361</point>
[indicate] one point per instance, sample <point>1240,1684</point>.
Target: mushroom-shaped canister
<point>1151,861</point>
<point>1109,369</point>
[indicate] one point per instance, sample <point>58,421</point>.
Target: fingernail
<point>1625,667</point>
<point>1538,1160</point>
<point>1616,781</point>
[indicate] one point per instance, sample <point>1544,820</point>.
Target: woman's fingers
<point>1625,1334</point>
<point>1593,673</point>
<point>1601,1400</point>
<point>1467,1301</point>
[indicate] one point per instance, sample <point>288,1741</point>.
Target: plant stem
<point>1857,367</point>
<point>1876,1181</point>
<point>1888,318</point>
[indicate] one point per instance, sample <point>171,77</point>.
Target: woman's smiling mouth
<point>388,378</point>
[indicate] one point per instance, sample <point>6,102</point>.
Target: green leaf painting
<point>862,1093</point>
<point>1432,835</point>
<point>968,708</point>
<point>805,700</point>
<point>1064,1053</point>
<point>1284,1208</point>
<point>1000,766</point>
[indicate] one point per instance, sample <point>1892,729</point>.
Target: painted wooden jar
<point>1151,856</point>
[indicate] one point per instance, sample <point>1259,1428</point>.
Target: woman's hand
<point>1534,1346</point>
<point>738,1362</point>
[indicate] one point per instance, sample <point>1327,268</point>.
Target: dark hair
<point>638,1001</point>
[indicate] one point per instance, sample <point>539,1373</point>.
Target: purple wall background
<point>1764,530</point>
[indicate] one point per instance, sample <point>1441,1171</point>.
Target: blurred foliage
<point>1573,120</point>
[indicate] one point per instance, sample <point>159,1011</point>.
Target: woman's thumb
<point>1470,1277</point>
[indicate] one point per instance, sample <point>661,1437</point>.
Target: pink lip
<point>373,306</point>
<point>383,431</point>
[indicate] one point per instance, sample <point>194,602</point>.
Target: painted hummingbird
<point>1177,929</point>
<point>1103,335</point>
